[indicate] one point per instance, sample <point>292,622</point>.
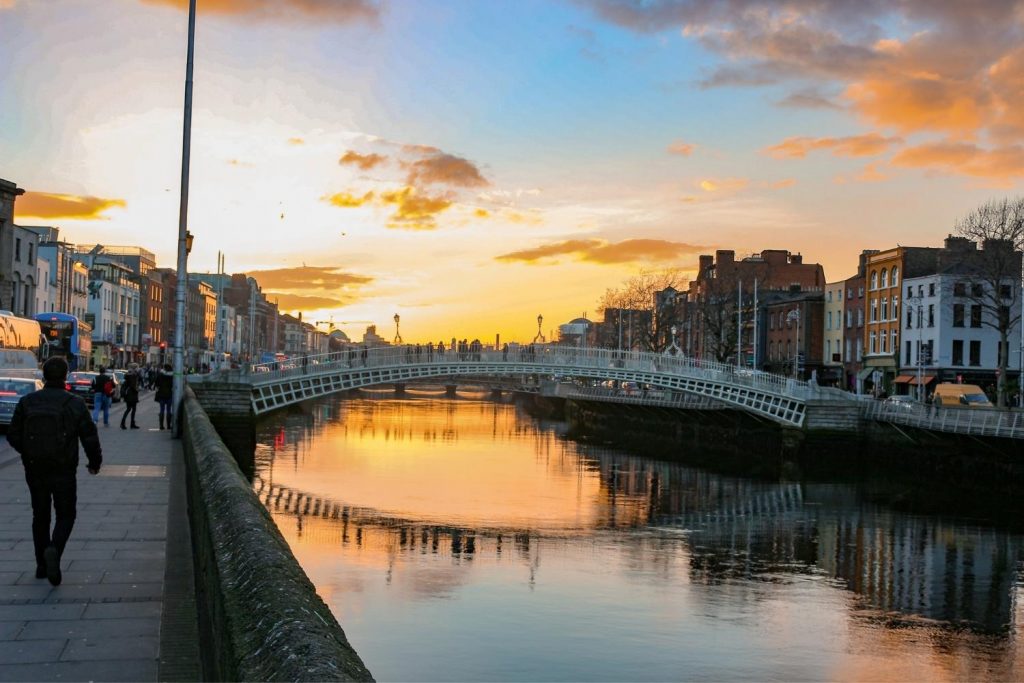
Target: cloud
<point>444,169</point>
<point>870,174</point>
<point>681,148</point>
<point>414,211</point>
<point>303,302</point>
<point>723,184</point>
<point>871,144</point>
<point>307,278</point>
<point>1000,164</point>
<point>807,99</point>
<point>7,4</point>
<point>482,213</point>
<point>240,163</point>
<point>781,184</point>
<point>340,11</point>
<point>296,141</point>
<point>47,205</point>
<point>602,252</point>
<point>364,161</point>
<point>347,201</point>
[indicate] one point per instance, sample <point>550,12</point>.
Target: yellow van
<point>960,396</point>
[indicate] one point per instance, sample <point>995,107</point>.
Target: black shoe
<point>40,571</point>
<point>122,426</point>
<point>135,426</point>
<point>52,565</point>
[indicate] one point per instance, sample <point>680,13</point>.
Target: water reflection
<point>395,507</point>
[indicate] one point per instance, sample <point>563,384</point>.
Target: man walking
<point>102,393</point>
<point>45,429</point>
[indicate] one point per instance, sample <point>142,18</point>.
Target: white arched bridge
<point>279,384</point>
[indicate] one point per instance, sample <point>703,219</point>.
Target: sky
<point>470,165</point>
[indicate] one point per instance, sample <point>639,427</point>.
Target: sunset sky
<point>470,164</point>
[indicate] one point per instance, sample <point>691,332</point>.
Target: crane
<point>331,324</point>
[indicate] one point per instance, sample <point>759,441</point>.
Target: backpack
<point>108,388</point>
<point>46,433</point>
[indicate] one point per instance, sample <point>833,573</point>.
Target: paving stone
<point>118,566</point>
<point>90,629</point>
<point>151,576</point>
<point>39,591</point>
<point>30,652</point>
<point>9,578</point>
<point>122,610</point>
<point>69,578</point>
<point>121,649</point>
<point>107,670</point>
<point>9,630</point>
<point>140,554</point>
<point>96,592</point>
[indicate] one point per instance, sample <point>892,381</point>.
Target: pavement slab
<point>104,621</point>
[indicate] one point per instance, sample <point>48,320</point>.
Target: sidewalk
<point>125,609</point>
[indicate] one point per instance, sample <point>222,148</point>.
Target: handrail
<point>531,359</point>
<point>973,421</point>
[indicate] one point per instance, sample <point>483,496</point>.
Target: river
<point>465,540</point>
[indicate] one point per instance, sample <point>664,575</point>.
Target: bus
<point>67,336</point>
<point>22,346</point>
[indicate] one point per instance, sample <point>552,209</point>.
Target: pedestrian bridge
<point>276,385</point>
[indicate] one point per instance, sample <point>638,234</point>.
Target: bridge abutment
<point>229,408</point>
<point>832,416</point>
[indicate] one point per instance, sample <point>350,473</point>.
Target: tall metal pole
<point>186,146</point>
<point>755,324</point>
<point>739,322</point>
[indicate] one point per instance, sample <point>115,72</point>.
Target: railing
<point>973,421</point>
<point>649,397</point>
<point>532,359</point>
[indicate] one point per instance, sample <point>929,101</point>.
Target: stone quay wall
<point>260,616</point>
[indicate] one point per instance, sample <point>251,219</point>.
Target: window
<point>874,310</point>
<point>910,292</point>
<point>895,276</point>
<point>839,294</point>
<point>846,351</point>
<point>860,317</point>
<point>910,317</point>
<point>874,279</point>
<point>893,344</point>
<point>1004,292</point>
<point>884,278</point>
<point>975,353</point>
<point>860,349</point>
<point>829,322</point>
<point>885,341</point>
<point>849,319</point>
<point>958,315</point>
<point>958,352</point>
<point>960,289</point>
<point>895,308</point>
<point>872,342</point>
<point>830,296</point>
<point>931,315</point>
<point>931,289</point>
<point>30,253</point>
<point>860,292</point>
<point>975,315</point>
<point>885,308</point>
<point>828,348</point>
<point>977,290</point>
<point>17,248</point>
<point>906,359</point>
<point>849,293</point>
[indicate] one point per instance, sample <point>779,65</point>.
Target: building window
<point>894,345</point>
<point>860,349</point>
<point>830,296</point>
<point>860,292</point>
<point>17,248</point>
<point>958,315</point>
<point>30,253</point>
<point>885,341</point>
<point>884,278</point>
<point>960,289</point>
<point>895,276</point>
<point>958,352</point>
<point>829,322</point>
<point>910,317</point>
<point>975,353</point>
<point>849,293</point>
<point>931,315</point>
<point>849,319</point>
<point>977,290</point>
<point>839,294</point>
<point>1004,292</point>
<point>910,292</point>
<point>906,348</point>
<point>860,317</point>
<point>976,315</point>
<point>846,350</point>
<point>874,310</point>
<point>931,289</point>
<point>885,308</point>
<point>828,348</point>
<point>872,342</point>
<point>874,279</point>
<point>896,307</point>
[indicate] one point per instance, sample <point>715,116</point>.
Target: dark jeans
<point>129,407</point>
<point>59,487</point>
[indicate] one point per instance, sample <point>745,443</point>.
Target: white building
<point>46,293</point>
<point>832,339</point>
<point>945,332</point>
<point>114,310</point>
<point>23,273</point>
<point>229,332</point>
<point>79,291</point>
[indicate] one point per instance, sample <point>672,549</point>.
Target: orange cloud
<point>347,201</point>
<point>307,278</point>
<point>296,141</point>
<point>681,148</point>
<point>303,302</point>
<point>364,161</point>
<point>414,212</point>
<point>871,144</point>
<point>445,169</point>
<point>918,104</point>
<point>310,10</point>
<point>482,213</point>
<point>600,251</point>
<point>782,184</point>
<point>1001,164</point>
<point>870,174</point>
<point>47,205</point>
<point>723,184</point>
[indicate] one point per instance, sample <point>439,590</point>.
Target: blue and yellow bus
<point>67,336</point>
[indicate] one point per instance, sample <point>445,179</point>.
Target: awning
<point>926,379</point>
<point>905,379</point>
<point>865,373</point>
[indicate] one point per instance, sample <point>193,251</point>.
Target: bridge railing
<point>526,359</point>
<point>974,421</point>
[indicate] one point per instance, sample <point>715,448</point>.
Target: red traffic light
<point>163,345</point>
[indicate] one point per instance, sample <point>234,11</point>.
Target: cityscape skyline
<point>373,158</point>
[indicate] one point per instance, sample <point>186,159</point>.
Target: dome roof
<point>579,321</point>
<point>338,335</point>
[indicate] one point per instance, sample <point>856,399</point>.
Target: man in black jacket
<point>45,429</point>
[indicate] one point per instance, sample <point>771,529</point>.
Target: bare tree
<point>998,228</point>
<point>637,293</point>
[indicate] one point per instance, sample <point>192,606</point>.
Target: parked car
<point>901,402</point>
<point>11,391</point>
<point>80,384</point>
<point>960,396</point>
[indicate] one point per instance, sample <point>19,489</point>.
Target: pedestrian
<point>130,394</point>
<point>164,394</point>
<point>45,429</point>
<point>102,393</point>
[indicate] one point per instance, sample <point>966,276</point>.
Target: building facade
<point>9,193</point>
<point>832,360</point>
<point>113,312</point>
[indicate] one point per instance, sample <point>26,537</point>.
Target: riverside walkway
<point>125,610</point>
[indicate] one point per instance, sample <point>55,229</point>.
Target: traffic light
<point>163,345</point>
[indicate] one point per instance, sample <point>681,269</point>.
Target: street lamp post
<point>183,234</point>
<point>792,316</point>
<point>539,339</point>
<point>398,337</point>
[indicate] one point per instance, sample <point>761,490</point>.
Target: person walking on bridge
<point>45,430</point>
<point>130,394</point>
<point>165,394</point>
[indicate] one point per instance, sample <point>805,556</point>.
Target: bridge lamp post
<point>398,337</point>
<point>794,316</point>
<point>539,339</point>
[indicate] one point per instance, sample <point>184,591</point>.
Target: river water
<point>464,540</point>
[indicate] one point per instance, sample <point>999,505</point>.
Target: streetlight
<point>398,337</point>
<point>673,349</point>
<point>539,339</point>
<point>794,315</point>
